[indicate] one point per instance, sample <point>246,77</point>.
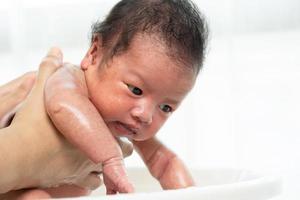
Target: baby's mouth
<point>125,129</point>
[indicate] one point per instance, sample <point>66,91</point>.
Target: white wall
<point>244,108</point>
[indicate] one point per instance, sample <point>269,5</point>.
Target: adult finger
<point>12,94</point>
<point>35,100</point>
<point>50,63</point>
<point>67,191</point>
<point>19,86</point>
<point>25,194</point>
<point>32,194</point>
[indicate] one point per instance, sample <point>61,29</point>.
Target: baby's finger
<point>110,191</point>
<point>126,187</point>
<point>49,64</point>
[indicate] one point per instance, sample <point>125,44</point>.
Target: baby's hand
<point>115,177</point>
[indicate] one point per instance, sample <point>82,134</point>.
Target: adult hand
<point>12,95</point>
<point>43,158</point>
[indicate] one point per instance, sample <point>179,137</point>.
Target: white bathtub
<point>212,184</point>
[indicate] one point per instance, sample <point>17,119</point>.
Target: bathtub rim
<point>268,185</point>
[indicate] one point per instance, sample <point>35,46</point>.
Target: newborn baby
<point>143,61</point>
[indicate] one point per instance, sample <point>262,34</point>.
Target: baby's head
<point>143,60</point>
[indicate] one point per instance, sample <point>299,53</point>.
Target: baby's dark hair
<point>177,23</point>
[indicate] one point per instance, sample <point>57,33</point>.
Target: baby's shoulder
<point>71,73</point>
<point>72,70</point>
<point>66,77</point>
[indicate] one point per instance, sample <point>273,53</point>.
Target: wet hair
<point>177,23</point>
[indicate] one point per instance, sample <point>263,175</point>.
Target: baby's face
<point>139,89</point>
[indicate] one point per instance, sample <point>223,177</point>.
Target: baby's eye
<point>135,90</point>
<point>166,108</point>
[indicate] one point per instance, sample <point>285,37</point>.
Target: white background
<point>244,109</point>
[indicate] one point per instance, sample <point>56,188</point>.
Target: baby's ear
<point>93,56</point>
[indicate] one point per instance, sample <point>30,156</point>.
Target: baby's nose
<point>143,113</point>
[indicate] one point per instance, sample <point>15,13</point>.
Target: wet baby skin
<point>73,114</point>
<point>129,95</point>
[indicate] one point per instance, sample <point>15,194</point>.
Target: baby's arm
<point>163,164</point>
<point>67,103</point>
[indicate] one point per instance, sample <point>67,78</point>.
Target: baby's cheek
<point>158,122</point>
<point>116,107</point>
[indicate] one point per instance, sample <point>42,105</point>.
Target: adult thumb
<point>50,63</point>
